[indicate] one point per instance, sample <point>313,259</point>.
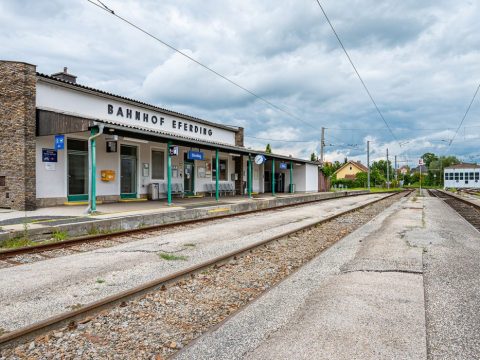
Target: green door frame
<point>273,177</point>
<point>76,197</point>
<point>192,192</point>
<point>134,194</point>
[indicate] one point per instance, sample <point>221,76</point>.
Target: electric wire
<point>463,119</point>
<point>278,108</point>
<point>356,71</point>
<point>281,140</point>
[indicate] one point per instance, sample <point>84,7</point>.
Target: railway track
<point>44,248</point>
<point>468,210</point>
<point>72,319</point>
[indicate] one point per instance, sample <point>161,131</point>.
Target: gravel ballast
<point>160,323</point>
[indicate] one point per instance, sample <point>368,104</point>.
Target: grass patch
<point>100,281</point>
<point>16,242</point>
<point>59,235</point>
<point>189,245</point>
<point>171,257</point>
<point>93,231</point>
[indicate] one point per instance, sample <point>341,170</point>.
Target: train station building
<point>63,143</point>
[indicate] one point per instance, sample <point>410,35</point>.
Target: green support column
<point>273,176</point>
<point>250,177</point>
<point>291,177</point>
<point>93,183</point>
<point>217,195</point>
<point>169,174</point>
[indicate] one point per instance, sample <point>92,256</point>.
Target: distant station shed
<point>462,176</point>
<point>47,159</point>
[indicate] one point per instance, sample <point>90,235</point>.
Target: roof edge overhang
<point>197,143</point>
<point>92,91</point>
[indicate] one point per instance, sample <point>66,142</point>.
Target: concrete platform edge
<point>170,217</point>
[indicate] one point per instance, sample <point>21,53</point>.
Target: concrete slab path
<point>404,286</point>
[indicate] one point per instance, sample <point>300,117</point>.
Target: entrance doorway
<point>189,177</point>
<point>128,172</point>
<point>77,163</point>
<point>279,182</point>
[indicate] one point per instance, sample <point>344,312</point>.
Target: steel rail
<point>8,254</point>
<point>70,317</point>
<point>466,209</point>
<point>456,197</point>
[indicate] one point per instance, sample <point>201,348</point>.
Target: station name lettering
<point>156,120</point>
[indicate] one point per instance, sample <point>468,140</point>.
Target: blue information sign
<point>49,155</point>
<point>59,142</point>
<point>195,155</point>
<point>283,166</point>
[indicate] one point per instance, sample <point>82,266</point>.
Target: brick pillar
<point>239,137</point>
<point>17,135</point>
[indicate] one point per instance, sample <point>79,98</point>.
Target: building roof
<point>463,166</point>
<point>417,169</point>
<point>77,86</point>
<point>359,165</point>
<point>166,135</point>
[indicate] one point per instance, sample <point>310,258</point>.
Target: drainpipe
<point>92,168</point>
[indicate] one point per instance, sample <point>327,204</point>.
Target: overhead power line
<point>356,71</point>
<point>278,108</point>
<point>464,116</point>
<point>280,140</point>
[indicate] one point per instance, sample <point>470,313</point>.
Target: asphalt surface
<point>404,286</point>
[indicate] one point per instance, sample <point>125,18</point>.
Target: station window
<point>446,176</point>
<point>477,175</point>
<point>77,145</point>
<point>471,176</point>
<point>158,164</point>
<point>456,176</point>
<point>461,176</point>
<point>222,165</point>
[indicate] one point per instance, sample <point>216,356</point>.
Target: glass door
<point>128,172</point>
<point>77,163</point>
<point>188,178</point>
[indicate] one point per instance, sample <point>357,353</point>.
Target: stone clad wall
<point>239,137</point>
<point>17,135</point>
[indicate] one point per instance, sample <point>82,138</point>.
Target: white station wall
<point>311,177</point>
<point>52,181</point>
<point>51,178</point>
<point>305,178</point>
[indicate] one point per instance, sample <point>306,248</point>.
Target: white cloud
<point>420,61</point>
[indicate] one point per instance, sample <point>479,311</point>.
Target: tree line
<point>432,173</point>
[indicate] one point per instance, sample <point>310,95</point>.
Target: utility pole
<point>368,164</point>
<point>322,145</point>
<point>396,175</point>
<point>388,173</point>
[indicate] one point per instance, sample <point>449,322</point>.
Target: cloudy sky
<point>419,59</point>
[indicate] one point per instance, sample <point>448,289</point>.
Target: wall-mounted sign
<point>49,155</point>
<point>173,150</point>
<point>95,105</point>
<point>260,159</point>
<point>111,146</point>
<point>59,142</point>
<point>195,155</point>
<point>283,166</point>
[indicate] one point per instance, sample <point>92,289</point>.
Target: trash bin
<point>292,188</point>
<point>153,191</point>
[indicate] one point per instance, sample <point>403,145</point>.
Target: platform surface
<point>32,292</point>
<point>404,286</point>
